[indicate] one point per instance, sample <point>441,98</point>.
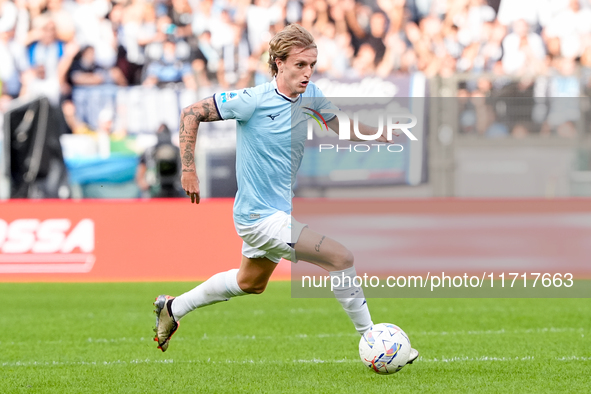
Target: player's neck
<point>282,88</point>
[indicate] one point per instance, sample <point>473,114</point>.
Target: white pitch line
<point>541,330</point>
<point>489,358</point>
<point>206,337</point>
<point>481,358</point>
<point>443,359</point>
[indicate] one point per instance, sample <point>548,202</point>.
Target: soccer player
<point>269,148</point>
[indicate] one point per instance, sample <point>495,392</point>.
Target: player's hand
<point>190,184</point>
<point>384,136</point>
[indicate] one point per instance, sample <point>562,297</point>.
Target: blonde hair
<point>292,36</point>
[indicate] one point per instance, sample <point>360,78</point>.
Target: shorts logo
<point>255,215</point>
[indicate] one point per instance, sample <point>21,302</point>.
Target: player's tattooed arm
<point>191,117</point>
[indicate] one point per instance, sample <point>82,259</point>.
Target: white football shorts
<point>272,237</point>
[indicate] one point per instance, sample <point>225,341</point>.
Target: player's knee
<point>343,259</point>
<point>257,289</point>
<point>253,287</point>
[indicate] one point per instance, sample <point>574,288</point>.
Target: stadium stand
<point>132,64</point>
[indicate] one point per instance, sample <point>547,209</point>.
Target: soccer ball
<point>384,348</point>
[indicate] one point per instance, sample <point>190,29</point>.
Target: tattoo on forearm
<point>190,121</point>
<point>317,246</point>
<point>188,156</point>
<point>186,140</point>
<point>191,117</point>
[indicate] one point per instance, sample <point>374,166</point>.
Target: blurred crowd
<point>78,53</point>
<point>49,47</point>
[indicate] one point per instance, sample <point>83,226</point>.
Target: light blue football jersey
<point>270,136</point>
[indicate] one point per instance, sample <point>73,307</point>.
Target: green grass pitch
<point>97,338</point>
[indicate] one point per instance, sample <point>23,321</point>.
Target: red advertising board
<point>122,240</point>
<point>174,240</point>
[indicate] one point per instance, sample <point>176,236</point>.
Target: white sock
<point>352,299</point>
<point>220,287</point>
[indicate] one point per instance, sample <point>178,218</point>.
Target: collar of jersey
<point>274,82</point>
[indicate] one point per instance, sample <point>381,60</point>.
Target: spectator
<point>165,30</point>
<point>452,42</point>
<point>564,111</point>
<point>523,50</point>
<point>181,16</point>
<point>259,18</point>
<point>8,16</point>
<point>47,63</point>
<point>395,49</point>
<point>570,26</point>
<point>93,28</point>
<point>491,49</point>
<point>532,12</point>
<point>293,11</point>
<point>13,63</point>
<point>364,63</point>
<point>357,16</point>
<point>203,18</point>
<point>418,9</point>
<point>308,17</point>
<point>169,68</point>
<point>342,61</point>
<point>23,21</point>
<point>322,16</point>
<point>85,71</point>
<point>234,62</point>
<point>378,26</point>
<point>471,21</point>
<point>221,31</point>
<point>206,59</point>
<point>327,49</point>
<point>64,21</point>
<point>136,28</point>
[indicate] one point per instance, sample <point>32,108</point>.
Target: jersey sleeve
<point>321,102</point>
<point>236,104</point>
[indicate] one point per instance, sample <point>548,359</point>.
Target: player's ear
<point>279,64</point>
